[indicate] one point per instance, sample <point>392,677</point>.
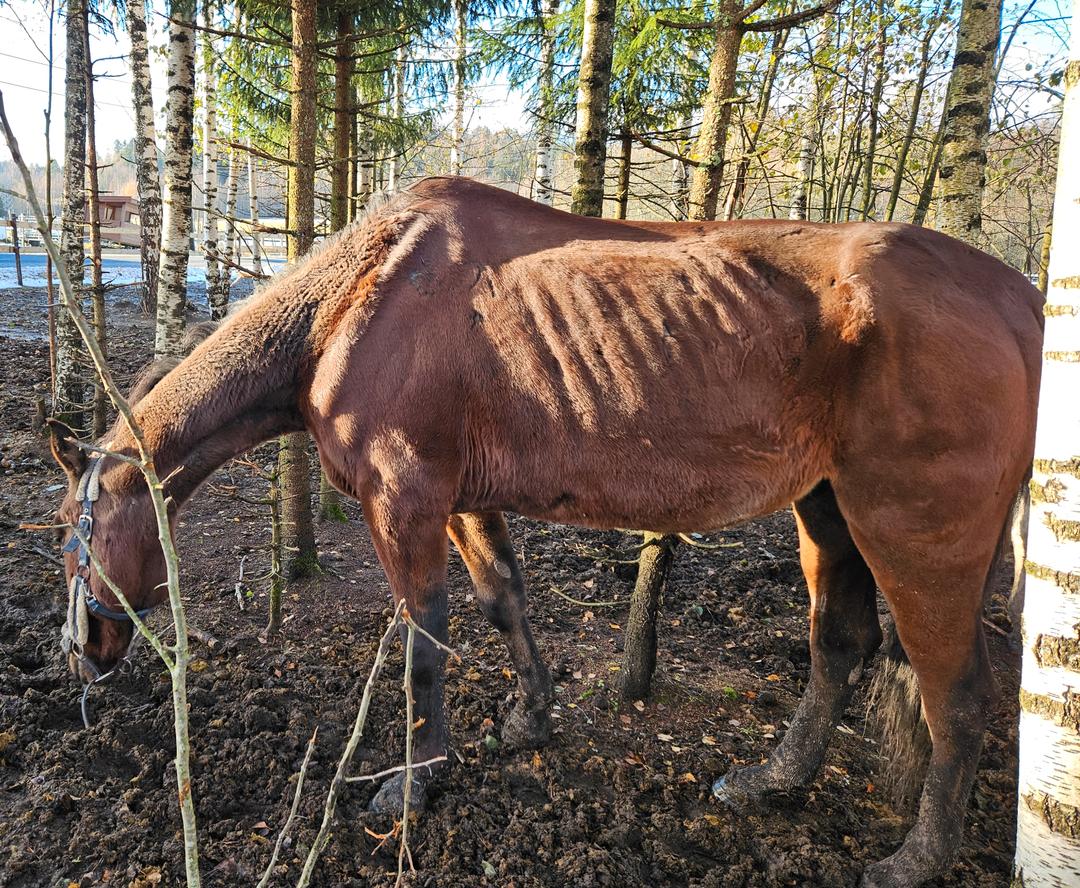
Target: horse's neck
<point>237,389</point>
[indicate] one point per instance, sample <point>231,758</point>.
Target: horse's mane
<point>158,369</point>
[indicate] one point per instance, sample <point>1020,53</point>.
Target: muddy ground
<point>620,796</point>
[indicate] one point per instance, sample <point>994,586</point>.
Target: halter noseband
<point>81,598</point>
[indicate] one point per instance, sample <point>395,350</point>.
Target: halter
<point>81,599</point>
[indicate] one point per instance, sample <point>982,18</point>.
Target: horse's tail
<point>894,701</point>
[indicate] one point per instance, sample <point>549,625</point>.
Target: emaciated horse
<point>463,352</point>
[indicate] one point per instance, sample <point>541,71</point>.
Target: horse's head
<point>121,531</point>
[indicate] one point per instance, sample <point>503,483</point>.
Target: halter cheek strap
<point>81,599</point>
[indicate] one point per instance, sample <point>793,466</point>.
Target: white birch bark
<point>147,178</point>
<point>1048,816</point>
<point>70,382</point>
<point>253,212</point>
<point>176,197</point>
<point>545,122</point>
<point>229,249</point>
<point>210,171</point>
<point>461,48</point>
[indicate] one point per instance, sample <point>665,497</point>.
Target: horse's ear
<point>71,457</point>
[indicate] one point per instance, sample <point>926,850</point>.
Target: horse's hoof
<point>913,865</point>
<point>525,729</point>
<point>730,796</point>
<point>389,801</point>
<point>743,789</point>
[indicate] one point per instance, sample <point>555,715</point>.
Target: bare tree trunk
<point>639,640</point>
<point>593,96</point>
<point>875,106</point>
<point>210,170</point>
<point>622,195</point>
<point>70,402</point>
<point>545,119</point>
<point>1048,784</point>
<point>680,179</point>
<point>1044,257</point>
<point>971,92</point>
<point>147,179</point>
<point>365,148</point>
<point>176,196</point>
<point>51,218</point>
<point>737,196</point>
<point>461,25</point>
<point>329,499</point>
<point>715,116</point>
<point>913,118</point>
<point>97,286</point>
<point>253,210</point>
<point>294,462</point>
<point>926,193</point>
<point>277,556</point>
<point>229,251</point>
<point>400,61</point>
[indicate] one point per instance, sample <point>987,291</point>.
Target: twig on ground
<point>338,782</point>
<point>292,812</point>
<point>397,769</point>
<point>403,846</point>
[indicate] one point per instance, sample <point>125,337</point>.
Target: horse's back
<point>663,374</point>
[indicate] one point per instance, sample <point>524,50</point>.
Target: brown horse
<point>463,352</point>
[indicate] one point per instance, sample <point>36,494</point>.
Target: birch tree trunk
<point>229,251</point>
<point>545,119</point>
<point>70,382</point>
<point>294,463</point>
<point>461,25</point>
<point>715,116</point>
<point>253,210</point>
<point>1048,816</point>
<point>147,179</point>
<point>210,170</point>
<point>967,115</point>
<point>622,193</point>
<point>593,96</point>
<point>680,179</point>
<point>176,196</point>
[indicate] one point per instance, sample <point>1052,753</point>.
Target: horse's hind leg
<point>844,633</point>
<point>948,653</point>
<point>935,593</point>
<point>485,546</point>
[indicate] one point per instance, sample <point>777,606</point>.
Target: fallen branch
<point>292,811</point>
<point>338,782</point>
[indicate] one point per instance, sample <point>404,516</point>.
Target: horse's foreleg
<point>486,548</point>
<point>412,547</point>
<point>844,633</point>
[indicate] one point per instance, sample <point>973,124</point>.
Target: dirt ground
<point>620,797</point>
